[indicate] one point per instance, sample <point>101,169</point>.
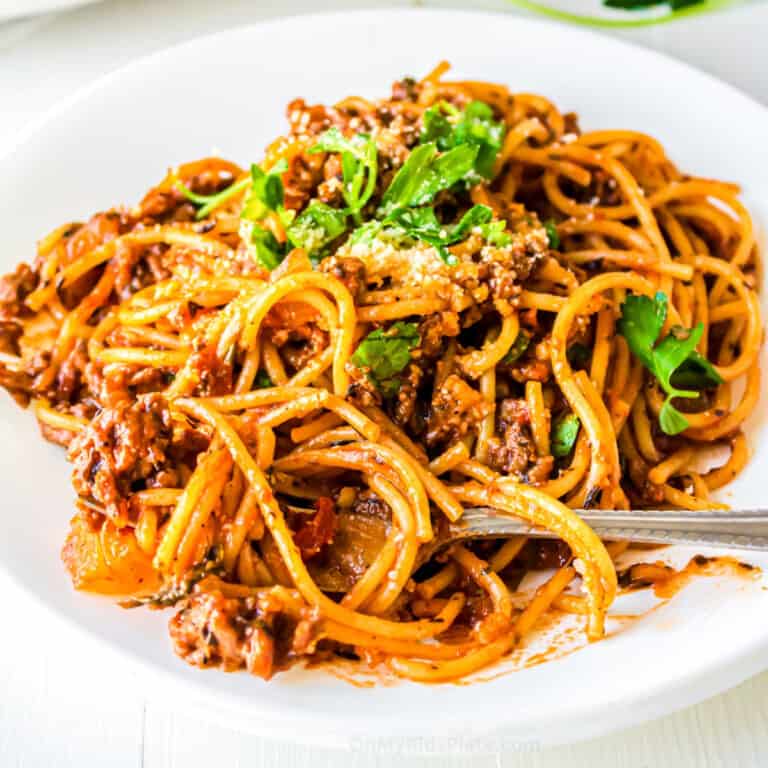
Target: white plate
<point>11,9</point>
<point>228,93</point>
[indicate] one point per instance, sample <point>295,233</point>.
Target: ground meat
<point>10,333</point>
<point>362,392</point>
<point>19,379</point>
<point>406,89</point>
<point>125,448</point>
<point>293,329</point>
<point>331,190</point>
<point>137,268</point>
<point>605,188</point>
<point>541,470</point>
<point>306,119</point>
<point>71,374</point>
<point>369,504</point>
<point>477,608</point>
<point>543,554</point>
<point>514,451</point>
<point>349,270</point>
<point>434,330</point>
<point>114,383</point>
<point>635,481</point>
<point>457,409</point>
<point>17,383</point>
<point>304,344</point>
<point>407,394</point>
<point>14,288</point>
<point>231,633</point>
<point>531,370</point>
<point>214,375</point>
<point>571,123</point>
<point>261,633</point>
<point>304,174</point>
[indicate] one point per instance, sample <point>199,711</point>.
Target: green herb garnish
<point>384,353</point>
<point>421,177</point>
<point>269,252</point>
<point>209,203</point>
<point>519,345</point>
<point>359,164</point>
<point>552,235</point>
<point>262,380</point>
<point>266,194</point>
<point>424,174</point>
<point>422,224</point>
<point>449,127</point>
<point>366,234</point>
<point>673,361</point>
<point>430,168</point>
<point>565,430</point>
<point>317,226</point>
<point>495,234</point>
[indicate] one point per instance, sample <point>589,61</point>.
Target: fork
<point>736,529</point>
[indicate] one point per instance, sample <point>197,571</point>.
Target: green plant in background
<point>678,9</point>
<point>640,5</point>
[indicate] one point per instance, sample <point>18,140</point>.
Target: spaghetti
<point>277,387</point>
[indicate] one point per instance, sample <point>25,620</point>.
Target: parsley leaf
<point>696,372</point>
<point>672,351</point>
<point>519,345</point>
<point>495,233</point>
<point>673,361</point>
<point>366,234</point>
<point>269,252</point>
<point>475,126</point>
<point>266,194</point>
<point>640,324</point>
<point>565,430</point>
<point>209,203</point>
<point>422,224</point>
<point>552,234</point>
<point>425,173</point>
<point>359,165</point>
<point>671,421</point>
<point>384,353</point>
<point>436,125</point>
<point>262,380</point>
<point>317,226</point>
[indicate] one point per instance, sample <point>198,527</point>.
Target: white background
<point>65,702</point>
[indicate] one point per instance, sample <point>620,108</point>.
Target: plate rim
<point>700,683</point>
<point>41,7</point>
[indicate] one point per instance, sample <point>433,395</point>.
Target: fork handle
<point>743,529</point>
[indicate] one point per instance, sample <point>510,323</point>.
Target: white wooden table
<point>56,708</point>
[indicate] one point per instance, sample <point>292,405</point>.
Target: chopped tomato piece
<point>319,531</point>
